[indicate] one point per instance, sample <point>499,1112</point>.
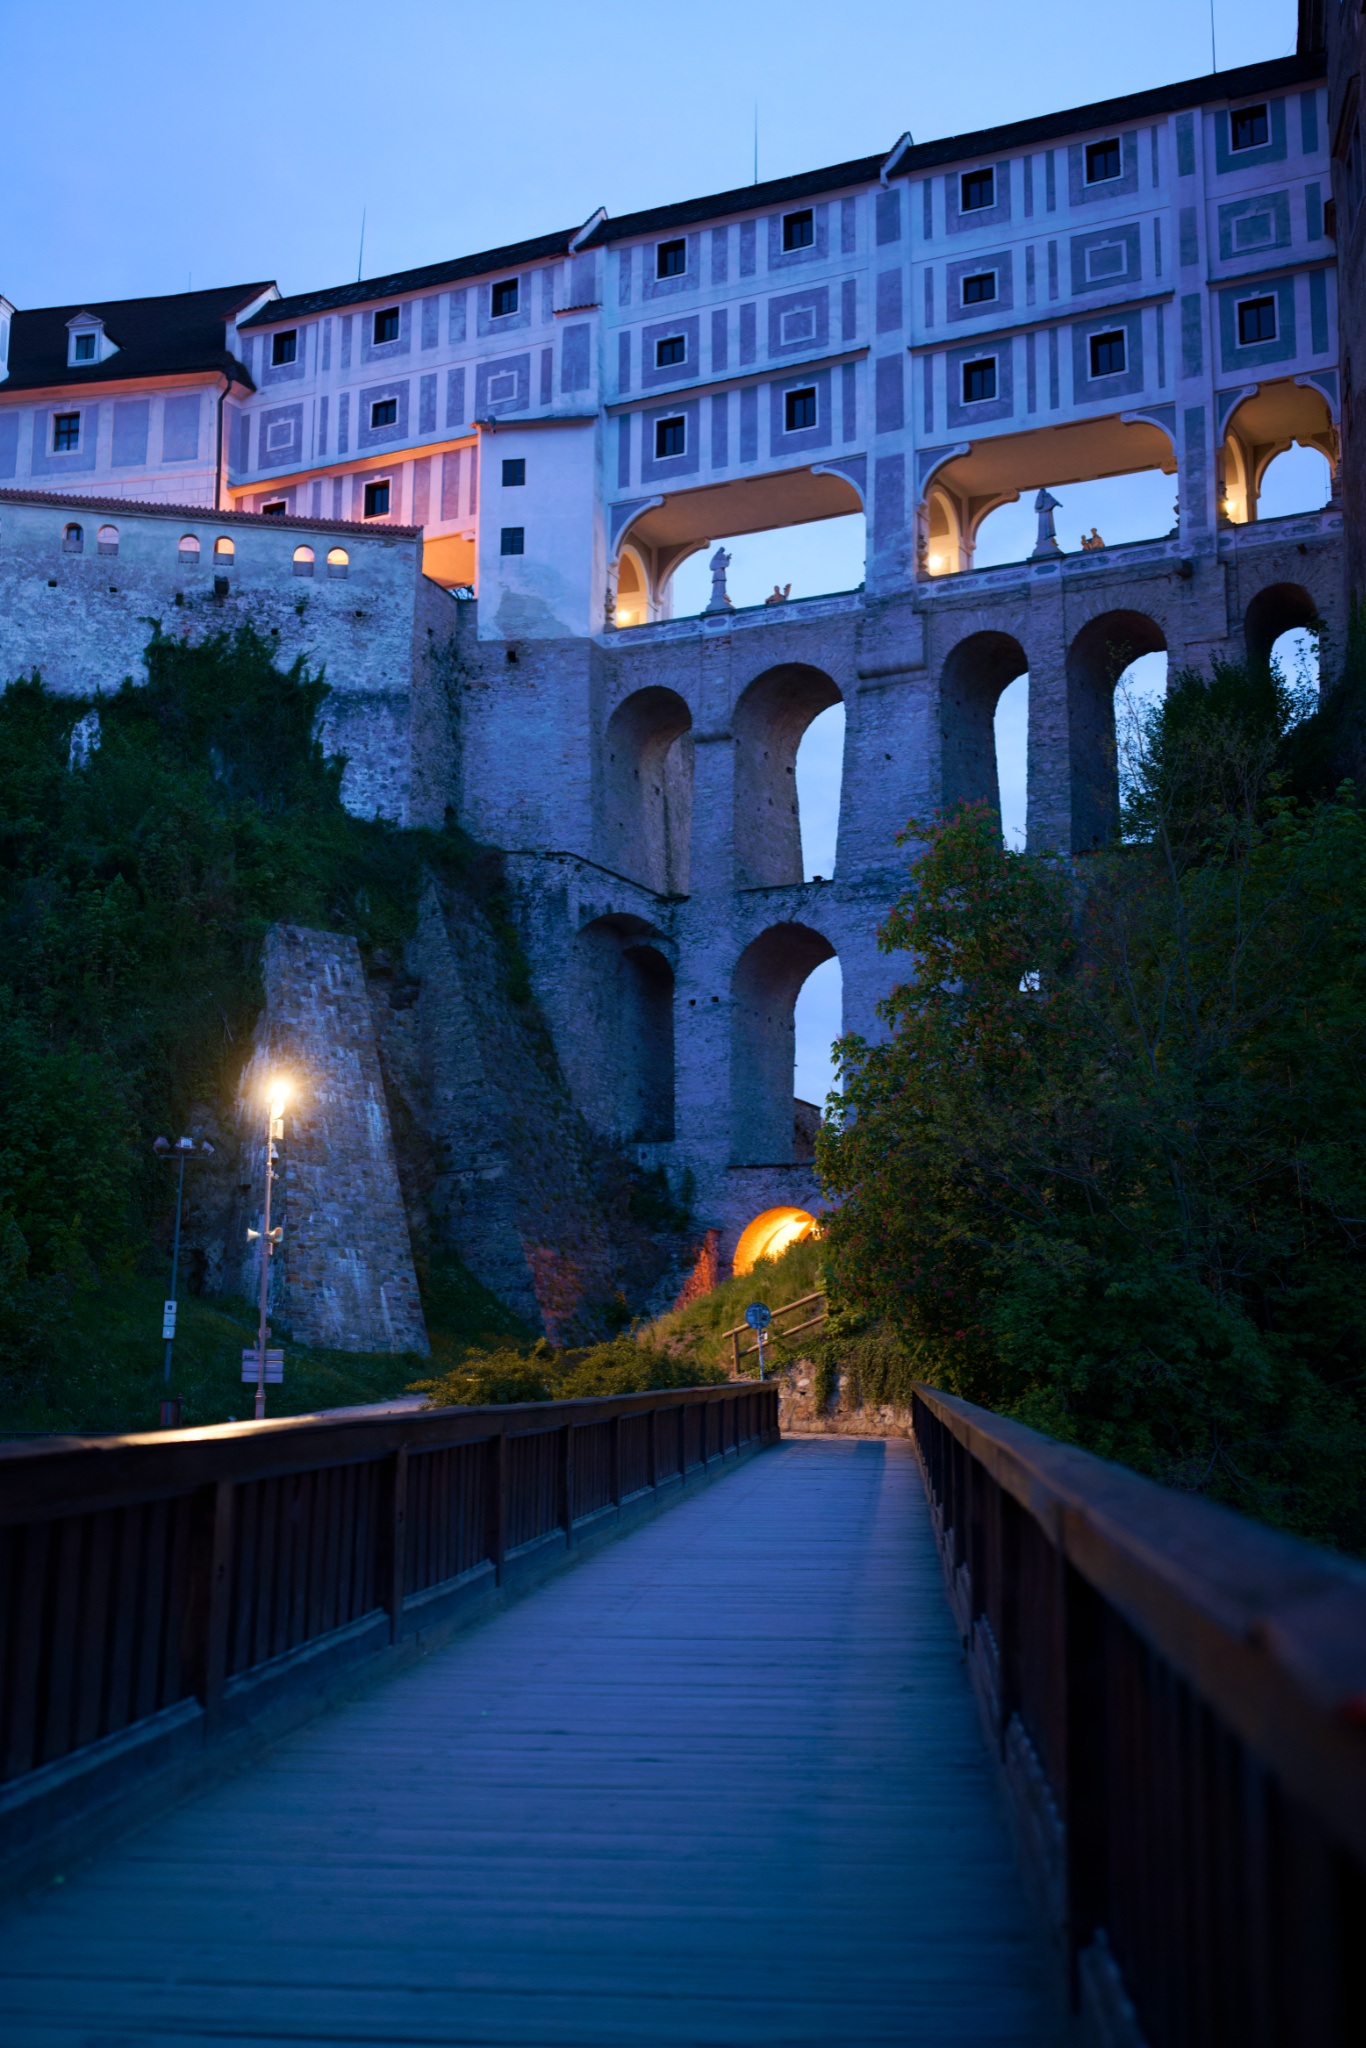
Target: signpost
<point>758,1315</point>
<point>274,1374</point>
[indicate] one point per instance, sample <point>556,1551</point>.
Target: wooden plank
<point>397,1543</point>
<point>220,1603</point>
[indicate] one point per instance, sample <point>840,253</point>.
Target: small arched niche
<point>766,1129</point>
<point>1097,659</point>
<point>647,776</point>
<point>975,674</point>
<point>770,720</point>
<point>619,1059</point>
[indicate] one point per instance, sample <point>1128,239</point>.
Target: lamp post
<point>183,1149</point>
<point>275,1128</point>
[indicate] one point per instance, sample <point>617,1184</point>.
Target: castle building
<point>921,336</point>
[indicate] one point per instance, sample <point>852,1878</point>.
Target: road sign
<point>168,1319</point>
<point>758,1315</point>
<point>251,1367</point>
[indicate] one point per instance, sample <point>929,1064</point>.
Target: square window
<point>979,380</point>
<point>1256,321</point>
<point>505,298</point>
<point>1107,354</point>
<point>1249,126</point>
<point>66,432</point>
<point>671,438</point>
<point>386,325</point>
<point>514,471</point>
<point>977,290</point>
<point>377,500</point>
<point>84,350</point>
<point>979,190</point>
<point>512,541</point>
<point>384,412</point>
<point>673,349</point>
<point>671,259</point>
<point>276,509</point>
<point>1103,161</point>
<point>799,229</point>
<point>799,410</point>
<point>284,348</point>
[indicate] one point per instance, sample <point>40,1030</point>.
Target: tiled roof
<point>155,338</point>
<point>205,515</point>
<point>402,281</point>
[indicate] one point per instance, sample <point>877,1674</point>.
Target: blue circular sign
<point>758,1315</point>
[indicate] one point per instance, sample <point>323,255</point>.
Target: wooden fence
<point>167,1594</point>
<point>1177,1697</point>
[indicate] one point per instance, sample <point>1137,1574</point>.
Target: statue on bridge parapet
<point>1047,543</point>
<point>718,565</point>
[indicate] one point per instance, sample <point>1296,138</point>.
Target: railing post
<point>497,1503</point>
<point>220,1605</point>
<point>735,1351</point>
<point>653,1435</point>
<point>614,1440</point>
<point>567,1484</point>
<point>397,1561</point>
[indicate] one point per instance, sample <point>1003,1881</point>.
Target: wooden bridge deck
<point>720,1784</point>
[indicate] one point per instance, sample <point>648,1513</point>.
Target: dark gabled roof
<point>155,338</point>
<point>402,281</point>
<point>207,515</point>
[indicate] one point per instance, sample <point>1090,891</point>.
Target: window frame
<point>285,336</point>
<point>1114,142</point>
<point>502,289</point>
<point>1105,336</point>
<point>511,540</point>
<point>981,363</point>
<point>1261,301</point>
<point>378,405</point>
<point>803,217</point>
<point>664,253</point>
<point>517,463</point>
<point>66,433</point>
<point>790,398</point>
<point>372,489</point>
<point>1262,107</point>
<point>978,277</point>
<point>278,508</point>
<point>679,341</point>
<point>378,340</point>
<point>85,346</point>
<point>673,419</point>
<point>966,178</point>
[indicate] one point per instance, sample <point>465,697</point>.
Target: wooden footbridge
<point>621,1723</point>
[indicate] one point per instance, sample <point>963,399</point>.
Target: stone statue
<point>718,565</point>
<point>1047,543</point>
<point>781,593</point>
<point>1090,542</point>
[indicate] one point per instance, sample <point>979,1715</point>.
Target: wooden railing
<point>1177,1697</point>
<point>162,1594</point>
<point>739,1351</point>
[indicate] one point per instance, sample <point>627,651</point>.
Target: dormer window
<point>87,341</point>
<point>505,298</point>
<point>83,348</point>
<point>1250,128</point>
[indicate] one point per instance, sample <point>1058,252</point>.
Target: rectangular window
<point>1256,321</point>
<point>505,298</point>
<point>377,500</point>
<point>66,432</point>
<point>384,412</point>
<point>1107,354</point>
<point>1102,161</point>
<point>514,471</point>
<point>979,190</point>
<point>976,290</point>
<point>284,348</point>
<point>1249,125</point>
<point>84,351</point>
<point>276,509</point>
<point>512,540</point>
<point>799,410</point>
<point>979,380</point>
<point>673,349</point>
<point>671,438</point>
<point>799,229</point>
<point>386,325</point>
<point>671,259</point>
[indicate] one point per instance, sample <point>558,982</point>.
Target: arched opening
<point>820,782</point>
<point>1279,448</point>
<point>1297,480</point>
<point>974,675</point>
<point>798,530</point>
<point>817,1021</point>
<point>1098,658</point>
<point>73,539</point>
<point>772,567</point>
<point>633,596</point>
<point>1279,609</point>
<point>647,813</point>
<point>189,551</point>
<point>107,540</point>
<point>303,561</point>
<point>768,977</point>
<point>771,718</point>
<point>223,552</point>
<point>1010,731</point>
<point>338,562</point>
<point>619,1058</point>
<point>769,1236</point>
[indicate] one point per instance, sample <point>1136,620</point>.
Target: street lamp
<point>183,1149</point>
<point>275,1128</point>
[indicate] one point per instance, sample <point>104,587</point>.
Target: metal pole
<point>175,1257</point>
<point>760,1334</point>
<point>265,1269</point>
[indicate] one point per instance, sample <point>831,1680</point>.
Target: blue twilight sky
<point>156,146</point>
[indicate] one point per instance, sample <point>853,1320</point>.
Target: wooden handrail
<point>738,1329</point>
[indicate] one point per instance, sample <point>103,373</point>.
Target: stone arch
<point>1277,609</point>
<point>619,1059</point>
<point>765,984</point>
<point>769,1235</point>
<point>647,809</point>
<point>770,718</point>
<point>971,681</point>
<point>1268,419</point>
<point>1096,659</point>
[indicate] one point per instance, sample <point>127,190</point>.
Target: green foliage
<point>508,1373</point>
<point>1107,1173</point>
<point>697,1329</point>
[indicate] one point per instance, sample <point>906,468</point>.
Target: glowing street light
<point>278,1094</point>
<point>183,1149</point>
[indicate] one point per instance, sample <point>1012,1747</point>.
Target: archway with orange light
<point>770,1235</point>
